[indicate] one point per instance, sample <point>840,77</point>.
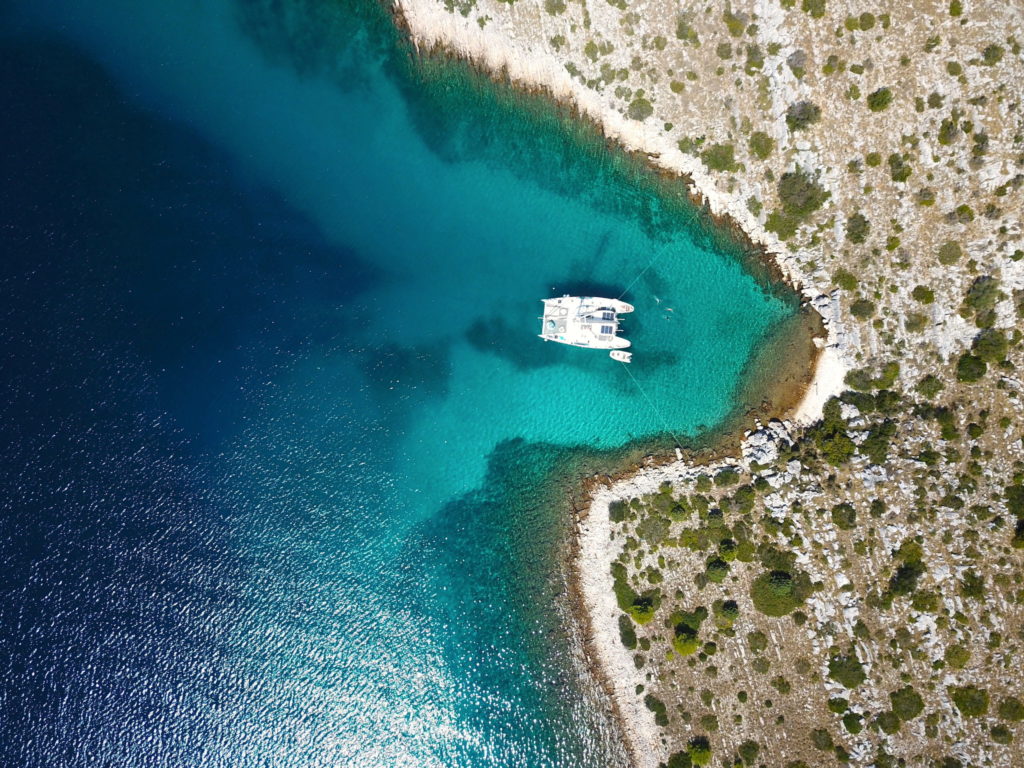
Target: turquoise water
<point>303,274</point>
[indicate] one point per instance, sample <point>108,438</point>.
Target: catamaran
<point>586,321</point>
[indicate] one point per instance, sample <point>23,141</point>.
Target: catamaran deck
<point>584,321</point>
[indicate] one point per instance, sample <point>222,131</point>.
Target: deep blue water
<point>279,443</point>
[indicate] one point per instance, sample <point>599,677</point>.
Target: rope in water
<point>644,270</point>
<point>654,408</point>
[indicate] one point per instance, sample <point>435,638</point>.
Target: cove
<point>284,444</point>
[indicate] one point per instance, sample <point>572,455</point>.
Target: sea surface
<point>280,451</point>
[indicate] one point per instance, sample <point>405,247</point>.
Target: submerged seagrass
<point>278,286</point>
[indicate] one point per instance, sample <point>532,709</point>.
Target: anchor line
<point>654,408</point>
<point>643,271</point>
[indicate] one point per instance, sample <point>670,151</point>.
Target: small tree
<point>969,699</point>
<point>879,100</point>
<point>970,368</point>
<point>846,670</point>
<point>802,114</point>
<point>906,703</point>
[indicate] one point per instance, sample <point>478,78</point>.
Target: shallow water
<point>280,441</point>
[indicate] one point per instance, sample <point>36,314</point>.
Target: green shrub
<point>844,279</point>
<point>775,593</point>
<point>956,8</point>
<point>800,194</point>
<point>873,159</point>
<point>957,657</point>
<point>906,703</point>
<point>904,581</point>
<point>888,722</point>
<point>719,157</point>
<point>1001,734</point>
<point>844,516</point>
<point>991,345</point>
<point>830,436</point>
<point>626,632</point>
<point>970,368</point>
<point>969,699</point>
<point>1011,709</point>
<point>923,294</point>
<point>749,751</point>
<point>716,571</point>
<point>822,739</point>
<point>862,309</point>
<point>853,722</point>
<point>816,8</point>
<point>857,228</point>
<point>948,131</point>
<point>992,55</point>
<point>930,386</point>
<point>876,444</point>
<point>554,7</point>
<point>879,100</point>
<point>898,168</point>
<point>657,706</point>
<point>699,750</point>
<point>639,109</point>
<point>802,114</point>
<point>761,144</point>
<point>618,511</point>
<point>727,477</point>
<point>846,670</point>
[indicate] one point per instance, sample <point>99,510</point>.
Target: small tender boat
<point>586,321</point>
<point>621,355</point>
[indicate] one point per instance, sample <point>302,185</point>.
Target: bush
<point>970,368</point>
<point>983,295</point>
<point>904,580</point>
<point>775,593</point>
<point>930,386</point>
<point>923,294</point>
<point>898,168</point>
<point>626,632</point>
<point>992,55</point>
<point>906,703</point>
<point>844,516</point>
<point>830,436</point>
<point>717,570</point>
<point>822,739</point>
<point>699,750</point>
<point>639,109</point>
<point>749,750</point>
<point>800,194</point>
<point>1011,709</point>
<point>657,706</point>
<point>853,722</point>
<point>991,346</point>
<point>727,477</point>
<point>876,445</point>
<point>862,309</point>
<point>956,656</point>
<point>857,228</point>
<point>618,511</point>
<point>879,100</point>
<point>844,279</point>
<point>888,722</point>
<point>846,670</point>
<point>802,114</point>
<point>816,8</point>
<point>969,699</point>
<point>761,144</point>
<point>719,157</point>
